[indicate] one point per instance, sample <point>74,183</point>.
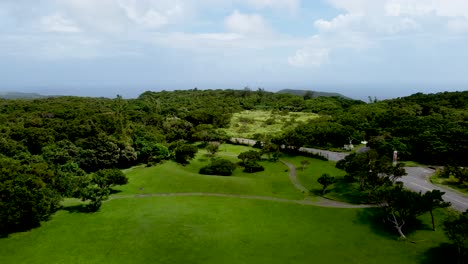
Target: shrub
<point>220,167</point>
<point>252,166</point>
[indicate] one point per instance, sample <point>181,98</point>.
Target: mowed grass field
<point>308,176</point>
<point>171,177</point>
<point>143,229</point>
<point>248,123</point>
<point>212,230</point>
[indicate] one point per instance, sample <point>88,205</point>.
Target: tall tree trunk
<point>400,231</point>
<point>398,225</point>
<point>433,221</point>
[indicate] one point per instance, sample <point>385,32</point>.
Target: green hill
<point>314,93</point>
<point>19,95</point>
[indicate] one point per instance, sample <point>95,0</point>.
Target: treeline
<point>432,129</point>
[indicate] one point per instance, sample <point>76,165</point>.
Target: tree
<point>371,171</point>
<point>304,163</point>
<point>26,194</point>
<point>432,200</point>
<point>399,206</point>
<point>183,152</point>
<point>326,180</point>
<point>97,187</point>
<point>249,161</point>
<point>251,155</point>
<point>271,150</point>
<point>221,167</point>
<point>458,172</point>
<point>109,177</point>
<point>212,148</point>
<point>308,95</point>
<point>456,229</point>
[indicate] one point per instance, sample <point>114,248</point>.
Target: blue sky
<point>383,48</point>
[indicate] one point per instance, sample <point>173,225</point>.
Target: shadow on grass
<point>7,232</point>
<point>444,253</point>
<point>348,192</point>
<point>376,220</point>
<point>80,208</point>
<point>112,191</point>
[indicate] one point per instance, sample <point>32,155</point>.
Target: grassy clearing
<point>214,230</point>
<point>413,164</point>
<point>341,191</point>
<point>172,177</point>
<point>450,182</point>
<point>220,229</point>
<point>248,123</point>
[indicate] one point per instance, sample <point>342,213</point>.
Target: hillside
<point>315,93</point>
<point>20,95</point>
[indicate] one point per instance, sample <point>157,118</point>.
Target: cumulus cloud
<point>58,23</point>
<point>458,25</point>
<point>291,5</point>
<point>247,24</point>
<point>395,16</point>
<point>309,57</point>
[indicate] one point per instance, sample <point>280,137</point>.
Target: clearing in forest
<point>247,124</point>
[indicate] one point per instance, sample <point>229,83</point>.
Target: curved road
<point>416,180</point>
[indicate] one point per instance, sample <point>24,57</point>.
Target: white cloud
<point>248,24</point>
<point>444,8</point>
<point>152,14</point>
<point>291,5</point>
<point>340,22</point>
<point>309,57</point>
<point>458,25</point>
<point>58,23</point>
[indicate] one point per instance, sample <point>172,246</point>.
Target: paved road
<point>330,155</point>
<point>416,180</point>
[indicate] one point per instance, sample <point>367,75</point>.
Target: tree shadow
<point>80,208</point>
<point>376,220</point>
<point>112,191</point>
<point>444,253</point>
<point>20,229</point>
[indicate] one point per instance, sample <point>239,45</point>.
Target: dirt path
<point>320,203</point>
<point>293,177</point>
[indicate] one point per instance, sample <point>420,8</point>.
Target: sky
<point>360,48</point>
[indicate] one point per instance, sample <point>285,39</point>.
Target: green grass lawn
<point>172,177</point>
<point>248,123</point>
<point>341,190</point>
<point>196,229</point>
<point>450,182</point>
<point>213,230</point>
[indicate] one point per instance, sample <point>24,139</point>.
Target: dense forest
<point>59,147</point>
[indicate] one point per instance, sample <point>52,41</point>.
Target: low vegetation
<point>255,124</point>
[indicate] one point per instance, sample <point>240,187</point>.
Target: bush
<point>252,166</point>
<point>220,167</point>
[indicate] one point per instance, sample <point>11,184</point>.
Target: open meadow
<point>248,123</point>
<point>140,225</point>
